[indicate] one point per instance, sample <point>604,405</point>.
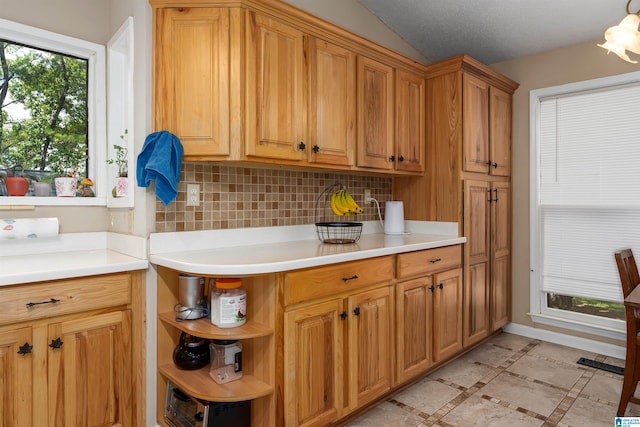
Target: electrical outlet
<point>193,194</point>
<point>367,196</point>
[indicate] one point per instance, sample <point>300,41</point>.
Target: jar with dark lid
<point>226,360</point>
<point>228,303</point>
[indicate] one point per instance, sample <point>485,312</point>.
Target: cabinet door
<point>500,132</point>
<point>447,314</point>
<point>500,255</point>
<point>375,114</point>
<point>332,100</point>
<point>276,119</point>
<point>16,377</point>
<point>370,345</point>
<point>413,327</point>
<point>90,372</point>
<point>313,376</point>
<point>477,230</point>
<point>410,122</point>
<point>192,78</point>
<point>475,126</point>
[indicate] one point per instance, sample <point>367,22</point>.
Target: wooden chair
<point>629,278</point>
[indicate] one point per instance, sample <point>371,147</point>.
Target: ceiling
<point>493,31</point>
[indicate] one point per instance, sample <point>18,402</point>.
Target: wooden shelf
<point>203,328</point>
<point>199,384</point>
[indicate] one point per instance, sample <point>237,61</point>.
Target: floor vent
<point>600,365</point>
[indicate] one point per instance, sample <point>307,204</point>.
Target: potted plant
<point>121,160</point>
<point>15,183</point>
<point>66,185</point>
<point>42,186</point>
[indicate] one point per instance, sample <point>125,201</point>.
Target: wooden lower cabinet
<point>429,321</point>
<point>337,356</point>
<point>16,404</point>
<point>74,367</point>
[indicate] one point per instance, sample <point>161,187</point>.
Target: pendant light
<point>624,36</point>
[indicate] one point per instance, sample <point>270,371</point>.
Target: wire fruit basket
<point>335,232</point>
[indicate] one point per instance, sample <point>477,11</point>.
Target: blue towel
<point>160,160</point>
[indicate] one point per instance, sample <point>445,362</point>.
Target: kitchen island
<point>331,328</point>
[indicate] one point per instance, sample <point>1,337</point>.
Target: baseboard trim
<point>568,340</point>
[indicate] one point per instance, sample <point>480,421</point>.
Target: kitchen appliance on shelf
<point>182,410</point>
<point>191,352</point>
<point>192,303</point>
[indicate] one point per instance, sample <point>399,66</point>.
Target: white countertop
<point>271,249</point>
<point>70,255</point>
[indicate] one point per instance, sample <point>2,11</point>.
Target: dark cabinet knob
<point>315,149</point>
<point>432,288</point>
<point>25,349</point>
<point>301,146</point>
<point>57,343</point>
<point>392,158</point>
<point>401,158</point>
<point>356,311</point>
<point>343,315</point>
<point>440,286</point>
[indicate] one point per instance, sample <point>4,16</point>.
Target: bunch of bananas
<point>342,204</point>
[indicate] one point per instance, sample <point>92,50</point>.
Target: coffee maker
<point>192,303</point>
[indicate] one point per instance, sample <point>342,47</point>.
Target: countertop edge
<point>255,268</point>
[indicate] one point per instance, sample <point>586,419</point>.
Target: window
<point>585,200</point>
<point>53,115</point>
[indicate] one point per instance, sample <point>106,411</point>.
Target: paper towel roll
<point>28,228</point>
<point>394,217</point>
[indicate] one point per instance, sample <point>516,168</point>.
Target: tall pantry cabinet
<point>468,181</point>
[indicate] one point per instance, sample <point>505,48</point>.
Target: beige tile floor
<point>508,381</point>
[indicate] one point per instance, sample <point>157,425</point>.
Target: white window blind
<point>589,189</point>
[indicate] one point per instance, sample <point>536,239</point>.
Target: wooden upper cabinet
<point>375,114</point>
<point>276,106</point>
<point>486,127</point>
<point>192,79</point>
<point>332,97</point>
<point>475,126</point>
<point>410,120</point>
<point>500,132</point>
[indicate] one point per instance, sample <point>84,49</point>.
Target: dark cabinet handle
<point>490,199</point>
<point>496,190</point>
<point>315,149</point>
<point>433,261</point>
<point>51,301</point>
<point>495,165</point>
<point>432,288</point>
<point>401,158</point>
<point>25,349</point>
<point>440,286</point>
<point>392,158</point>
<point>346,279</point>
<point>356,311</point>
<point>343,315</point>
<point>57,343</point>
<point>301,146</point>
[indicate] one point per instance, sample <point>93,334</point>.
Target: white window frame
<point>97,131</point>
<point>539,311</point>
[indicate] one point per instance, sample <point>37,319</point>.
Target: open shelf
<point>203,328</point>
<point>199,384</point>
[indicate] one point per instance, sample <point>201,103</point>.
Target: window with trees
<point>52,110</point>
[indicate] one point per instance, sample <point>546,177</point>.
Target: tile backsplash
<point>242,197</point>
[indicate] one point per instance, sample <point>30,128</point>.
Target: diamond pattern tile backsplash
<point>241,197</point>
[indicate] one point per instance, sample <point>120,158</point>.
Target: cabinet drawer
<point>47,299</point>
<point>429,261</point>
<point>309,284</point>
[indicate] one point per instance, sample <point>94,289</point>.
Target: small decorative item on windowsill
<point>121,160</point>
<point>15,183</point>
<point>85,189</point>
<point>66,185</point>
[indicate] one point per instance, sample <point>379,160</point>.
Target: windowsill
<point>50,201</point>
<point>577,326</point>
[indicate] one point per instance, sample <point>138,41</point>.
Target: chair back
<point>628,270</point>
